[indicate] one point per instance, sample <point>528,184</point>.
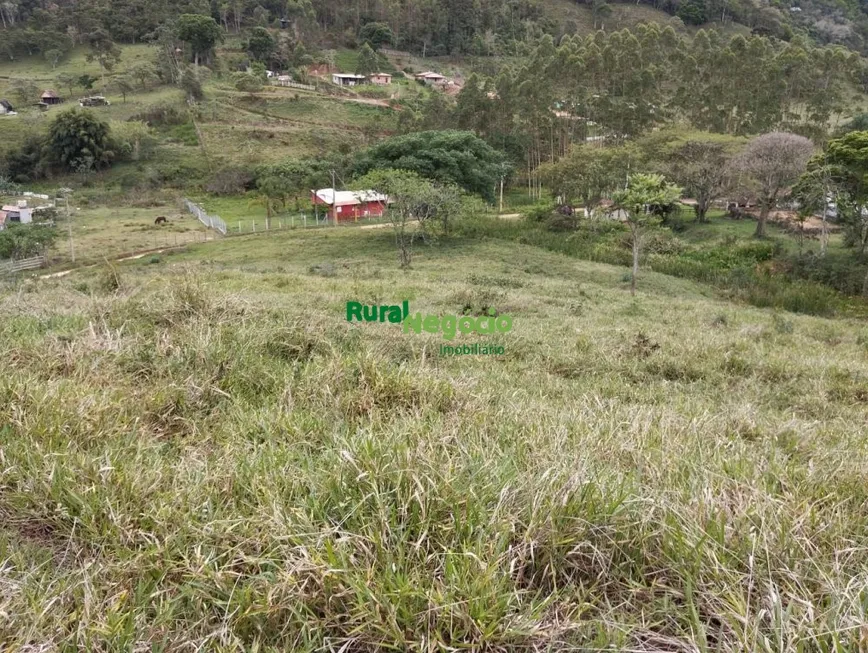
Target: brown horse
<point>161,220</point>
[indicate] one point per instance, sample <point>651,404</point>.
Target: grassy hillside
<point>200,452</point>
<point>235,128</point>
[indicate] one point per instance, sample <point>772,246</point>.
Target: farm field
<point>201,453</point>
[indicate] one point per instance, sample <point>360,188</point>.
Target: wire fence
<point>286,222</point>
<point>210,221</point>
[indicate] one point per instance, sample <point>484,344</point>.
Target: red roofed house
<point>348,205</point>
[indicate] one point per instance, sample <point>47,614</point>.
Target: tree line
<point>428,27</point>
<point>617,86</point>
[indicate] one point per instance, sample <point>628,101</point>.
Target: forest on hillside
<point>436,27</point>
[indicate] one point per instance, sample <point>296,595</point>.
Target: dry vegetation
<point>199,453</point>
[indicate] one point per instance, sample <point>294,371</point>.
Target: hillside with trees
<point>610,392</point>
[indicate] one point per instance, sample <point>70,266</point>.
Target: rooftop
<point>349,197</point>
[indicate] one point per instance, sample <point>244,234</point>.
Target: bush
<point>539,212</point>
<point>160,115</point>
<point>562,223</point>
<point>23,241</point>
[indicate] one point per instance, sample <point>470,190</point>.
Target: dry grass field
<point>200,453</point>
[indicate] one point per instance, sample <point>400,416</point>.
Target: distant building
<point>433,79</point>
<point>94,101</point>
<point>349,206</point>
<point>381,79</point>
<point>6,107</point>
<point>50,97</point>
<point>283,80</point>
<point>346,79</point>
<point>17,213</point>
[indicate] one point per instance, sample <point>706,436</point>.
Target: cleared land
<point>199,452</point>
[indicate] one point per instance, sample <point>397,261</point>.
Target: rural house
<point>381,79</point>
<point>346,79</point>
<point>432,79</point>
<point>349,206</point>
<point>50,97</point>
<point>16,213</point>
<point>5,107</point>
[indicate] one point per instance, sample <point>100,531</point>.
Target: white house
<point>346,79</point>
<point>16,213</point>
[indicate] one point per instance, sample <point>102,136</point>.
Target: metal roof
<point>349,197</point>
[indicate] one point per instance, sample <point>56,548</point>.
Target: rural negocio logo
<point>450,326</point>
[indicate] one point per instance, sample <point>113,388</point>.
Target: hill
<point>200,451</point>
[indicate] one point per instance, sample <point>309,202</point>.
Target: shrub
<point>539,212</point>
<point>159,115</point>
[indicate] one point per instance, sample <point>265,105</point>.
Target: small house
<point>380,79</point>
<point>432,79</point>
<point>283,80</point>
<point>349,206</point>
<point>346,79</point>
<point>50,97</point>
<point>6,108</point>
<point>17,213</point>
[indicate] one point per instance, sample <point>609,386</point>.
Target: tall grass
<point>732,266</point>
<point>204,458</point>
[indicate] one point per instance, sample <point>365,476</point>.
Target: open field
<point>199,452</point>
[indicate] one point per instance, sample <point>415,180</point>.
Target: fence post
<point>304,217</point>
<point>254,226</point>
<point>239,226</point>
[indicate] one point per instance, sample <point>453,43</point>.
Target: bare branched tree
<point>770,165</point>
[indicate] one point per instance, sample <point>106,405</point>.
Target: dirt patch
<point>789,220</point>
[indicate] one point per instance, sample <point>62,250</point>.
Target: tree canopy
<point>456,157</point>
<point>79,140</point>
<point>200,32</point>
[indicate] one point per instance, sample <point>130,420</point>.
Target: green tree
<point>847,158</point>
<point>588,174</point>
<point>247,83</point>
<point>23,241</point>
<point>261,45</point>
<point>124,85</point>
<point>414,205</point>
<point>376,34</point>
<point>298,177</point>
<point>369,61</point>
<point>643,191</point>
<point>87,81</point>
<point>271,193</point>
<point>67,81</point>
<point>191,84</point>
<point>25,91</point>
<point>701,166</point>
<point>104,51</point>
<point>449,157</point>
<point>77,138</point>
<point>54,56</point>
<point>201,33</point>
<point>144,73</point>
<point>693,12</point>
